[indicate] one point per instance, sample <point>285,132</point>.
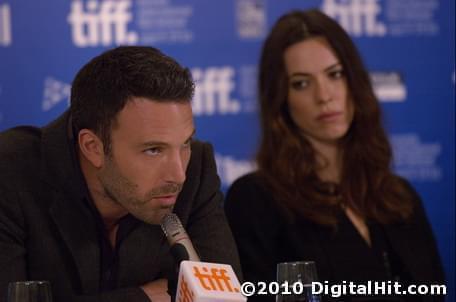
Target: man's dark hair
<point>104,85</point>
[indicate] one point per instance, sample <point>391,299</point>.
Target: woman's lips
<point>329,116</point>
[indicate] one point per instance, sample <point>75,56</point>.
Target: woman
<point>324,190</point>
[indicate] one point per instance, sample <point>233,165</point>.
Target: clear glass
<point>29,291</point>
<point>299,276</point>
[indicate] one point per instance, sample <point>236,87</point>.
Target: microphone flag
<point>207,282</point>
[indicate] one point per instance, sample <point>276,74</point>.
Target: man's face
<point>150,152</point>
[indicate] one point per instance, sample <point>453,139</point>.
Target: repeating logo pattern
<point>358,17</point>
<point>251,18</point>
<point>54,93</point>
<point>5,25</point>
<point>213,91</point>
<point>389,86</point>
<point>101,23</point>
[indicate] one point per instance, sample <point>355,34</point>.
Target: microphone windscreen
<point>177,236</point>
<point>171,225</point>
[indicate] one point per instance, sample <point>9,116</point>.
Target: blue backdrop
<point>408,46</point>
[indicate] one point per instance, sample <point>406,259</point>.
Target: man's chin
<point>154,218</point>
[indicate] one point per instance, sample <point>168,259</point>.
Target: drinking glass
<point>299,276</point>
<point>29,291</point>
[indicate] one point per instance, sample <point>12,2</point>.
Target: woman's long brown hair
<point>286,159</point>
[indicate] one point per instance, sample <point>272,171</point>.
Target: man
<point>81,198</point>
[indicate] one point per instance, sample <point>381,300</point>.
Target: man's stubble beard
<point>123,192</point>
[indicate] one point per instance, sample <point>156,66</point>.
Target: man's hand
<point>157,290</point>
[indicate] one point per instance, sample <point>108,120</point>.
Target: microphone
<point>199,281</point>
<point>181,246</point>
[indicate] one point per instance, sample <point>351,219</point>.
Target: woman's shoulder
<point>251,184</point>
<point>408,188</point>
<point>249,191</point>
<point>252,179</point>
<point>418,210</point>
<point>250,208</point>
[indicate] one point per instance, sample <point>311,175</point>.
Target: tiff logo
<point>101,23</point>
<point>5,25</point>
<point>214,86</point>
<point>358,17</point>
<point>214,280</point>
<point>185,293</point>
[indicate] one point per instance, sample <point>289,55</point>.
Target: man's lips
<point>329,116</point>
<point>166,200</point>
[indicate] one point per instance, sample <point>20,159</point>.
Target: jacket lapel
<point>79,233</point>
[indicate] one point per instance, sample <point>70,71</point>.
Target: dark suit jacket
<point>265,237</point>
<point>47,234</point>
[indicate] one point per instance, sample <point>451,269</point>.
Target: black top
<point>266,236</point>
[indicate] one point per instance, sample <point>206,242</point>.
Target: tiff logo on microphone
<point>214,279</point>
<point>214,86</point>
<point>101,23</point>
<point>357,17</point>
<point>185,293</point>
<point>5,25</point>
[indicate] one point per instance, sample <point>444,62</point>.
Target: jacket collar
<point>71,215</point>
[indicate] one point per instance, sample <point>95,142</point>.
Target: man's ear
<point>91,147</point>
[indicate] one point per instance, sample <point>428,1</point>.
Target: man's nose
<point>175,168</point>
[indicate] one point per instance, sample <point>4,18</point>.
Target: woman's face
<point>318,97</point>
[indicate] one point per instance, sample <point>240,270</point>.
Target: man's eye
<point>301,84</point>
<point>188,143</point>
<point>153,151</point>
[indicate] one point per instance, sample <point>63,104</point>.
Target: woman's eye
<point>337,74</point>
<point>301,84</point>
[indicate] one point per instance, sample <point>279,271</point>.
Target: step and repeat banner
<point>408,46</point>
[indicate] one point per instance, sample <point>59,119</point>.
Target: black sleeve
<point>255,223</point>
<point>12,242</point>
<point>422,228</point>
